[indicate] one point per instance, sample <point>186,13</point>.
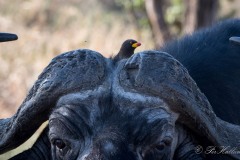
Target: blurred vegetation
<point>174,12</point>
<point>48,28</point>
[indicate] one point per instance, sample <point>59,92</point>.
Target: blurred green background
<point>49,27</point>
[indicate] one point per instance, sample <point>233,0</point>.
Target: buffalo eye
<point>160,146</point>
<point>59,143</point>
<point>167,141</point>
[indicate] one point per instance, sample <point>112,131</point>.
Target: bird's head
<point>127,49</point>
<point>130,45</point>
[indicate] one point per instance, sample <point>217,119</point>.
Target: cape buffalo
<point>179,102</point>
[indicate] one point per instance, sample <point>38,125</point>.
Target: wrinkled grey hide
<point>145,107</point>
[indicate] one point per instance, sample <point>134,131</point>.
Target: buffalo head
<point>145,107</point>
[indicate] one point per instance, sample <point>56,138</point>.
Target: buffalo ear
<point>67,73</point>
<point>235,40</point>
<point>41,149</point>
<point>4,37</point>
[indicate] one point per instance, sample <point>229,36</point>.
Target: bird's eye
<point>59,143</point>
